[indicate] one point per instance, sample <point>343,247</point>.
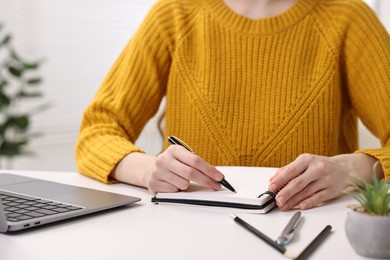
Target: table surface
<point>148,231</point>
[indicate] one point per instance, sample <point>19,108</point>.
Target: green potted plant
<point>367,225</point>
<point>19,82</point>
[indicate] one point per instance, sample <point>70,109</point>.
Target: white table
<point>149,231</point>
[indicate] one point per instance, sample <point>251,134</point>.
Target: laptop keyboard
<point>21,207</point>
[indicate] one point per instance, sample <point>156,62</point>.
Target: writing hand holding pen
<point>177,141</point>
<point>171,171</point>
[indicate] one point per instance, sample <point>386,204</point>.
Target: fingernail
<point>285,207</point>
<point>280,200</point>
<point>303,205</point>
<point>273,187</point>
<point>218,177</point>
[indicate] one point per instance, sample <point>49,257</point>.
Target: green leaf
<point>24,94</point>
<point>31,66</point>
<point>15,56</point>
<point>34,81</point>
<point>6,40</point>
<point>11,149</point>
<point>2,130</point>
<point>17,72</point>
<point>374,197</point>
<point>24,64</point>
<point>4,101</point>
<point>3,83</point>
<point>19,122</point>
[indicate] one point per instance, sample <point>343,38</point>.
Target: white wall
<point>367,140</point>
<point>80,39</point>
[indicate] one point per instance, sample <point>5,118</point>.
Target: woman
<point>256,83</point>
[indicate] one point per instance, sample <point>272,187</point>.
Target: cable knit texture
<point>245,92</point>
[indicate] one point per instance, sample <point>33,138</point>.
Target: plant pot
<point>368,234</point>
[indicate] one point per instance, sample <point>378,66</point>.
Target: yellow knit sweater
<point>246,92</point>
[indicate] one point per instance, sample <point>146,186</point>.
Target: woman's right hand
<point>171,171</point>
<point>176,167</point>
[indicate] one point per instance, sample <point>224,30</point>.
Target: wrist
<point>359,165</point>
<point>134,169</point>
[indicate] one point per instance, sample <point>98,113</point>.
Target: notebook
<point>28,202</point>
<point>200,196</point>
<point>251,196</point>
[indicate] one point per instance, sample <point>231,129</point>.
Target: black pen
<point>259,234</point>
<point>315,243</point>
<point>174,140</point>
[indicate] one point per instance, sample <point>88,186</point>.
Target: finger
<point>316,171</point>
<point>317,198</point>
<point>295,186</point>
<point>201,165</point>
<point>273,176</point>
<point>181,162</point>
<point>173,178</point>
<point>290,171</point>
<point>276,173</point>
<point>275,180</point>
<point>192,174</point>
<point>156,186</point>
<point>163,180</point>
<point>311,189</point>
<point>327,193</point>
<point>166,170</point>
<point>196,162</point>
<point>208,169</point>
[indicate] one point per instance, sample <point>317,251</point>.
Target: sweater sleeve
<point>367,68</point>
<point>127,98</point>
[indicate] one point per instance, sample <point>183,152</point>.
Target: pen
<point>315,243</point>
<point>174,140</point>
<point>288,232</point>
<point>262,236</point>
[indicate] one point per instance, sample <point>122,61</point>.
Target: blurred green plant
<point>373,197</point>
<point>18,82</point>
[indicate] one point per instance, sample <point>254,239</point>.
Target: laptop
<point>28,202</point>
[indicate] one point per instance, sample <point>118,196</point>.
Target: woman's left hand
<point>314,179</point>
